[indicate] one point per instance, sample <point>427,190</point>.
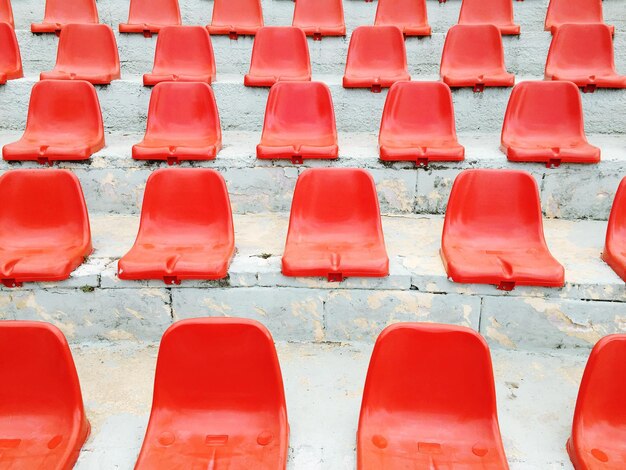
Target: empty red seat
<point>44,226</point>
<point>615,247</point>
<point>496,12</point>
<point>473,56</point>
<point>573,11</point>
<point>183,124</point>
<point>183,53</point>
<point>299,123</point>
<point>319,18</point>
<point>218,399</point>
<point>64,123</point>
<point>429,402</point>
<point>279,53</point>
<point>149,16</point>
<point>598,440</point>
<point>6,12</point>
<point>86,52</point>
<point>408,15</point>
<point>544,123</point>
<point>236,17</point>
<point>583,54</point>
<point>58,13</point>
<point>493,232</point>
<point>10,58</point>
<point>335,229</point>
<point>376,58</point>
<point>418,124</point>
<point>42,417</point>
<point>186,229</point>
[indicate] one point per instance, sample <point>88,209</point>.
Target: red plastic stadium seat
<point>376,58</point>
<point>429,402</point>
<point>319,18</point>
<point>279,53</point>
<point>218,399</point>
<point>183,53</point>
<point>42,417</point>
<point>299,123</point>
<point>544,123</point>
<point>44,227</point>
<point>615,247</point>
<point>495,12</point>
<point>598,440</point>
<point>493,232</point>
<point>335,229</point>
<point>236,17</point>
<point>61,12</point>
<point>186,229</point>
<point>149,16</point>
<point>408,15</point>
<point>573,11</point>
<point>473,57</point>
<point>418,124</point>
<point>583,54</point>
<point>64,123</point>
<point>10,59</point>
<point>183,124</point>
<point>6,12</point>
<point>86,52</point>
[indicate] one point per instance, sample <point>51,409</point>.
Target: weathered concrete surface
<point>324,384</point>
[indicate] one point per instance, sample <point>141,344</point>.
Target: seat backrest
<point>486,11</point>
<point>419,108</point>
<point>219,364</point>
<point>37,372</point>
<point>181,48</point>
<point>495,205</point>
<point>335,203</point>
<point>43,206</point>
<point>154,12</point>
<point>474,47</point>
<point>317,12</point>
<point>279,47</point>
<point>74,11</point>
<point>186,204</point>
<point>544,109</point>
<point>400,12</point>
<point>587,46</point>
<point>66,107</point>
<point>300,107</point>
<point>377,48</point>
<point>6,12</point>
<point>10,58</point>
<point>616,230</point>
<point>574,11</point>
<point>93,44</point>
<point>237,13</point>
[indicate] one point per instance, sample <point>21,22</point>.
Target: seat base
<point>233,31</point>
<point>317,32</point>
<point>553,156</point>
<point>39,265</point>
<point>44,154</point>
<point>296,153</point>
<point>267,81</point>
<point>375,84</point>
<point>147,29</point>
<point>151,79</point>
<point>479,82</point>
<point>174,153</point>
<point>617,262</point>
<point>96,78</point>
<point>422,155</point>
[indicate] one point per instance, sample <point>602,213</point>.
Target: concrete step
<point>113,182</point>
<point>95,305</point>
<point>324,384</point>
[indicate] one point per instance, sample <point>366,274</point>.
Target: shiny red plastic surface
<point>149,16</point>
<point>183,54</point>
<point>58,13</point>
<point>299,123</point>
<point>86,52</point>
<point>236,17</point>
<point>10,58</point>
<point>544,123</point>
<point>6,12</point>
<point>218,399</point>
<point>615,246</point>
<point>186,229</point>
<point>429,402</point>
<point>473,56</point>
<point>408,15</point>
<point>44,226</point>
<point>493,232</point>
<point>335,229</point>
<point>496,12</point>
<point>42,418</point>
<point>583,54</point>
<point>183,124</point>
<point>64,123</point>
<point>278,53</point>
<point>376,58</point>
<point>598,440</point>
<point>573,11</point>
<point>319,18</point>
<point>418,124</point>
